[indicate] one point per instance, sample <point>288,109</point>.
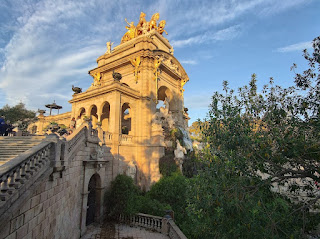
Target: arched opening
<point>81,113</point>
<point>126,118</point>
<point>80,116</point>
<point>164,98</point>
<point>94,203</point>
<point>94,115</point>
<point>105,116</point>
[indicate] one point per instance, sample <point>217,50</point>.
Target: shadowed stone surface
<point>120,231</point>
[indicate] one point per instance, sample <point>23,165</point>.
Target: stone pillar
<point>114,128</point>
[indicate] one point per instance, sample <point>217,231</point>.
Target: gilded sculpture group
<point>143,27</point>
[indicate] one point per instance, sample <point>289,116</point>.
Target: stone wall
<point>55,205</point>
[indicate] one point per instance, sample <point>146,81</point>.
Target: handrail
<point>78,137</point>
<point>164,225</point>
<point>143,220</point>
<point>174,231</point>
<point>24,168</point>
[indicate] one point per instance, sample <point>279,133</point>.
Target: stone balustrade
<point>124,138</point>
<point>143,220</point>
<point>17,175</point>
<point>164,225</point>
<point>75,140</point>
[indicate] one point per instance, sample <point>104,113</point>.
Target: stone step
<point>3,153</point>
<point>11,147</point>
<point>17,146</point>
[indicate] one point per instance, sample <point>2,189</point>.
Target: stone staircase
<point>11,147</point>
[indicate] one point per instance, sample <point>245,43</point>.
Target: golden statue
<point>109,44</point>
<point>157,63</point>
<point>161,27</point>
<point>96,79</point>
<point>183,82</point>
<point>153,21</point>
<point>131,33</point>
<point>141,24</point>
<point>136,63</point>
<point>143,27</point>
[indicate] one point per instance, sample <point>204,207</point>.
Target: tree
<point>257,141</point>
<point>196,129</point>
<point>18,114</point>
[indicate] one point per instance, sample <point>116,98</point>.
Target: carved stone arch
<point>165,93</point>
<point>94,199</point>
<point>104,113</point>
<point>168,56</point>
<point>93,113</point>
<point>126,118</point>
<point>81,112</point>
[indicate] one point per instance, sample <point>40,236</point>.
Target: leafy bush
<point>225,204</point>
<point>147,205</point>
<point>127,199</point>
<point>121,198</point>
<point>167,164</point>
<point>172,190</point>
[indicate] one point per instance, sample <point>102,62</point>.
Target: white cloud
<point>198,101</point>
<point>189,62</point>
<point>47,53</point>
<point>221,35</point>
<point>47,45</point>
<point>272,7</point>
<point>295,47</point>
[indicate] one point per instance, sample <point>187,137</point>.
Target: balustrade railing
<point>163,225</point>
<point>27,167</point>
<point>143,220</point>
<point>126,138</point>
<point>78,138</point>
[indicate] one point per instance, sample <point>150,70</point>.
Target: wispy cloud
<point>48,45</point>
<point>208,37</point>
<point>295,47</point>
<point>198,101</point>
<point>189,62</point>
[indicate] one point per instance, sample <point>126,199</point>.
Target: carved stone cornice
<point>114,86</point>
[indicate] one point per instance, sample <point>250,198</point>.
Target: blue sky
<point>48,45</point>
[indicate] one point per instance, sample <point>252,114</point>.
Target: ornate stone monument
<point>126,109</point>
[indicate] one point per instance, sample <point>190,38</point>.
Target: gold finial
<point>136,63</point>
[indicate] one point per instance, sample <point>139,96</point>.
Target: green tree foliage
<point>196,129</point>
<point>172,190</point>
<point>121,197</point>
<point>127,199</point>
<point>274,133</point>
<point>223,203</point>
<point>18,114</point>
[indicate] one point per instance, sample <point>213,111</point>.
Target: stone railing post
<point>56,153</point>
<point>165,227</point>
<point>100,134</point>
